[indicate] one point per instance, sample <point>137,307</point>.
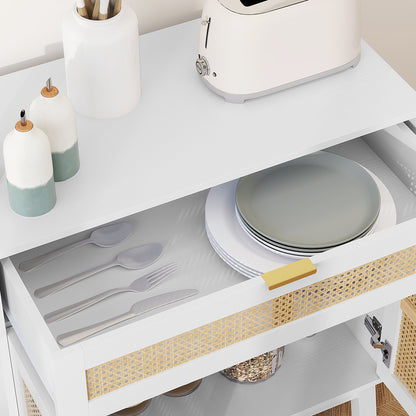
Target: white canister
<point>29,172</point>
<point>102,63</point>
<point>53,113</point>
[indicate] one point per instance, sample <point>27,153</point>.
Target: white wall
<point>390,28</point>
<point>30,30</point>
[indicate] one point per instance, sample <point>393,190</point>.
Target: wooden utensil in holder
<point>100,10</point>
<point>82,10</point>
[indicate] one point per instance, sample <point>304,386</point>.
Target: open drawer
<point>231,320</point>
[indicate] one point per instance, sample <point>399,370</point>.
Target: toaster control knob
<point>202,66</point>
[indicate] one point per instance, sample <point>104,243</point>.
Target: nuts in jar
<point>256,369</point>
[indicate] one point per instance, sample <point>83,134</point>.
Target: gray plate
<point>317,201</point>
<point>299,251</point>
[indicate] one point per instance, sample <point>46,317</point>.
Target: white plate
<point>225,255</point>
<point>234,265</point>
<point>222,223</point>
<point>224,229</point>
<point>246,271</point>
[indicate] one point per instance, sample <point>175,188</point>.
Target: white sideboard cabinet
<point>7,390</point>
<point>154,168</point>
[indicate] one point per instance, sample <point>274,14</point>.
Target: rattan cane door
<point>401,378</point>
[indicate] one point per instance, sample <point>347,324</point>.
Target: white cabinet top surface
<point>182,138</point>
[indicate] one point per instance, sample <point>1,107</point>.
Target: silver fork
<point>142,284</point>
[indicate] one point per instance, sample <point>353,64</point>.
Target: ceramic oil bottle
<point>53,113</point>
<point>29,171</point>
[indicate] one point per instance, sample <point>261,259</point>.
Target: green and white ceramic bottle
<point>29,171</point>
<point>53,113</point>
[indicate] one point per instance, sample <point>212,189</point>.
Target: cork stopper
<point>49,91</point>
<point>24,125</point>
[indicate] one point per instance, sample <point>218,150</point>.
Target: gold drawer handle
<point>288,274</point>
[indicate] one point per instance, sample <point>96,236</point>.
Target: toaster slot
<point>249,7</point>
<point>207,23</point>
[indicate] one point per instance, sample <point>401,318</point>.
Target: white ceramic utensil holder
<point>29,172</point>
<point>53,113</point>
<point>102,63</point>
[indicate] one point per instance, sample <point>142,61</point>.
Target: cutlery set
<point>134,258</point>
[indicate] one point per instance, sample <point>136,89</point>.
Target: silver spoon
<point>134,258</point>
<point>107,236</point>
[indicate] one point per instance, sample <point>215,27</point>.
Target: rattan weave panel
<point>31,407</point>
<point>405,368</point>
<point>412,300</point>
<point>214,336</point>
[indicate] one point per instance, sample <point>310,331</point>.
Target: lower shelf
<point>317,373</point>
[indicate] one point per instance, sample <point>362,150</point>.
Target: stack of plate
<point>297,209</point>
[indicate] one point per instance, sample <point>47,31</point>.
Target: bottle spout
<point>23,121</point>
<point>23,125</point>
<point>49,91</point>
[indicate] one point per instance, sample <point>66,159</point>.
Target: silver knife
<point>138,308</point>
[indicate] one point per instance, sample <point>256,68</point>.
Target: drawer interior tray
<point>179,227</point>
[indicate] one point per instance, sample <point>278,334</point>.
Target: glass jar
<point>256,369</point>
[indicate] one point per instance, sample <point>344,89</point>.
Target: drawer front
<point>159,357</point>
